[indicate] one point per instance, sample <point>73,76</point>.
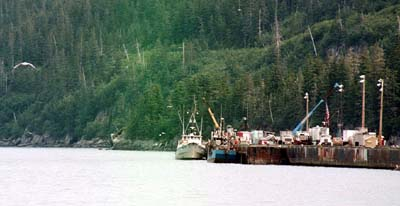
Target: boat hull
<point>222,156</point>
<point>190,152</point>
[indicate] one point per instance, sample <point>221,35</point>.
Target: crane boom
<point>300,125</point>
<point>216,125</point>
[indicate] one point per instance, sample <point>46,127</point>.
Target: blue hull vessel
<point>222,156</point>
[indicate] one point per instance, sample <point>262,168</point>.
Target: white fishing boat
<point>191,146</point>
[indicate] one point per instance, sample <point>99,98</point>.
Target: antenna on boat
<point>195,111</point>
<point>201,125</point>
<point>195,107</point>
<point>183,120</point>
<point>221,123</point>
<point>221,117</point>
<point>247,109</point>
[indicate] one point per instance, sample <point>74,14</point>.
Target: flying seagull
<point>23,64</point>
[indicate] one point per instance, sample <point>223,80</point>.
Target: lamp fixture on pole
<point>380,85</point>
<point>306,97</point>
<point>340,122</point>
<point>362,81</point>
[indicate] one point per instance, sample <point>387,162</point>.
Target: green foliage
<point>105,65</point>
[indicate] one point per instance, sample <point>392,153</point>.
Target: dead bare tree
<point>101,43</point>
<point>3,74</point>
<point>126,52</point>
<point>340,21</point>
<point>312,39</point>
<point>138,52</point>
<point>398,21</point>
<point>259,23</point>
<point>83,76</point>
<point>183,56</point>
<point>81,68</point>
<point>278,41</point>
<point>143,62</point>
<point>55,44</point>
<point>270,108</point>
<point>277,32</point>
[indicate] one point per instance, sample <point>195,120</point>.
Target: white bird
<point>23,64</point>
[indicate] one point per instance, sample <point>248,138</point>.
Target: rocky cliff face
<point>144,145</point>
<point>119,142</point>
<point>29,139</point>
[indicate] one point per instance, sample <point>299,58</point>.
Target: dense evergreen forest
<point>131,65</point>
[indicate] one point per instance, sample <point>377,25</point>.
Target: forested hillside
<point>104,66</point>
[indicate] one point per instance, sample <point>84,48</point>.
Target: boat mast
<point>201,126</point>
<point>183,120</point>
<point>194,114</point>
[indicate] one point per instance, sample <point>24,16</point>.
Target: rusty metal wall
<point>342,156</point>
<point>266,155</point>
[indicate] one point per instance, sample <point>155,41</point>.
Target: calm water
<point>48,177</point>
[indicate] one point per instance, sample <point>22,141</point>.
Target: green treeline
<point>110,65</point>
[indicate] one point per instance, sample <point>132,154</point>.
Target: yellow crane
<point>216,125</point>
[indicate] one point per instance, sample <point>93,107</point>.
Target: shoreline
<point>45,141</point>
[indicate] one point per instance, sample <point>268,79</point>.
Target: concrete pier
<point>337,156</point>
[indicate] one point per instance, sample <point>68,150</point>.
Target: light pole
<point>362,81</point>
<point>380,84</point>
<point>340,123</point>
<point>307,100</point>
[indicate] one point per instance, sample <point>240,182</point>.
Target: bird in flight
<point>23,64</point>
